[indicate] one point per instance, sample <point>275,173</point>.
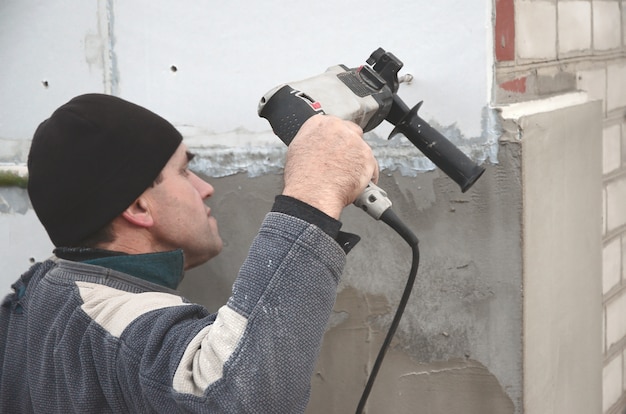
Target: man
<point>100,328</point>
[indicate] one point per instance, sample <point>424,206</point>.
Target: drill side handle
<point>434,145</point>
<point>287,109</point>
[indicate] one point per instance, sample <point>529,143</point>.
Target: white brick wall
<point>606,25</point>
<point>615,320</point>
<point>616,77</point>
<point>611,148</point>
<point>611,264</point>
<point>612,378</point>
<point>593,81</point>
<point>614,269</point>
<point>604,220</point>
<point>623,261</point>
<point>623,371</point>
<point>588,38</point>
<point>616,204</point>
<point>623,134</point>
<point>623,21</point>
<point>574,26</point>
<point>535,36</point>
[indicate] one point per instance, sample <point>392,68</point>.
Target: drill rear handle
<point>444,154</point>
<point>287,110</point>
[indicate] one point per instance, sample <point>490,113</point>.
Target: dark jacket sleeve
<point>257,355</point>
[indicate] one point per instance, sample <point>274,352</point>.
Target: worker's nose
<point>205,189</point>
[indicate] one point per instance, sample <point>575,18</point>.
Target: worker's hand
<point>329,164</point>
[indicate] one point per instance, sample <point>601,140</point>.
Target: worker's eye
<point>185,172</point>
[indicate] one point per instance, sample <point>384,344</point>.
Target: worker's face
<point>181,219</point>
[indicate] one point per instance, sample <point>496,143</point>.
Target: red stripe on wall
<point>516,85</point>
<point>504,41</point>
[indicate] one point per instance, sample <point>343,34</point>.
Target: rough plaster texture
<point>462,328</point>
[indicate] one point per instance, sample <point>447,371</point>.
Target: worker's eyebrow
<point>190,156</point>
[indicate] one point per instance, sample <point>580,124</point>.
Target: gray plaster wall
<point>458,347</point>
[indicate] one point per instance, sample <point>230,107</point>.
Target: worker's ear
<point>139,213</point>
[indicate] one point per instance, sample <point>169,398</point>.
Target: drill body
<point>359,95</point>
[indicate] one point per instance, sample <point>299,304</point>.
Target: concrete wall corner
<point>561,172</point>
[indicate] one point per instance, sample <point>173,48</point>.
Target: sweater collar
<point>163,268</point>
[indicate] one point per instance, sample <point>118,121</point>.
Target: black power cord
<point>392,220</point>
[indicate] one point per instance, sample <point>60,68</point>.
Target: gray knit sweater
<point>81,338</point>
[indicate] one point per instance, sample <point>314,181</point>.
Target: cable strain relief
<point>392,220</point>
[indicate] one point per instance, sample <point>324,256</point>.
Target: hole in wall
<point>174,69</point>
<point>45,83</point>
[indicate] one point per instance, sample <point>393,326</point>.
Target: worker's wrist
<point>297,208</point>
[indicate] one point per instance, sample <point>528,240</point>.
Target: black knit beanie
<point>91,160</point>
